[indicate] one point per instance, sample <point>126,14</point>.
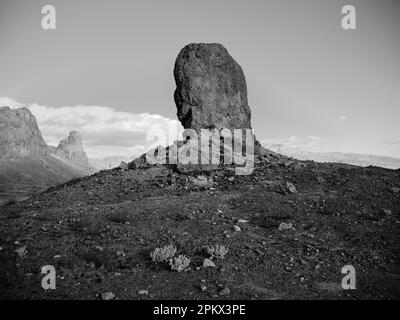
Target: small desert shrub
<point>21,252</point>
<point>217,251</point>
<point>164,254</point>
<point>179,263</point>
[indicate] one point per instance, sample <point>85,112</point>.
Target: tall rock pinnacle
<point>211,89</point>
<point>71,150</point>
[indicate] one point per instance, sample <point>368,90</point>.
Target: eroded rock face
<point>211,89</point>
<point>71,150</point>
<point>19,134</point>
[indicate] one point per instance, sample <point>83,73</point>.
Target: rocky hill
<point>158,231</point>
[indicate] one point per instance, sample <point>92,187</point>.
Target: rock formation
<point>19,134</point>
<point>71,150</point>
<point>211,88</point>
<point>211,93</point>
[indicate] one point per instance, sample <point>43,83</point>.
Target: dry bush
<point>179,263</point>
<point>164,254</point>
<point>217,251</point>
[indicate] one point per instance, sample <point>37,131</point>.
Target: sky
<point>106,70</point>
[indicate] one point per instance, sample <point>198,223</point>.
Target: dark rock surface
<point>211,88</point>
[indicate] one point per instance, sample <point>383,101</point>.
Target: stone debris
<point>108,296</point>
<point>225,291</point>
<point>143,292</point>
<point>207,263</point>
<point>290,187</point>
<point>285,226</point>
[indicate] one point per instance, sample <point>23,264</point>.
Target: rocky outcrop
<point>211,89</point>
<point>71,150</point>
<point>210,93</point>
<point>19,134</point>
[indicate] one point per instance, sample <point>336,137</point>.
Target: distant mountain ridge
<point>362,160</point>
<point>19,134</point>
<point>109,162</point>
<point>27,164</point>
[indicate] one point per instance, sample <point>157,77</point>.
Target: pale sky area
<point>107,69</point>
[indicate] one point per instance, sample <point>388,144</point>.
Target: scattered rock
<point>143,292</point>
<point>242,221</point>
<point>395,190</point>
<point>237,228</point>
<point>120,254</point>
<point>207,263</point>
<point>107,296</point>
<point>203,285</point>
<point>225,291</point>
<point>387,211</point>
<point>290,187</point>
<point>202,181</point>
<point>285,226</point>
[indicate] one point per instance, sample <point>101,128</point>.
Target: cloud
<point>106,131</point>
<point>343,118</point>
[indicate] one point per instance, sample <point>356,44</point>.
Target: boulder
<point>211,89</point>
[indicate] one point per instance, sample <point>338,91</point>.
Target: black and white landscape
<point>108,190</point>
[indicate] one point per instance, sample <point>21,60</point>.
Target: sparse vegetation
<point>91,223</point>
<point>179,263</point>
<point>21,252</point>
<point>164,254</point>
<point>217,252</point>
